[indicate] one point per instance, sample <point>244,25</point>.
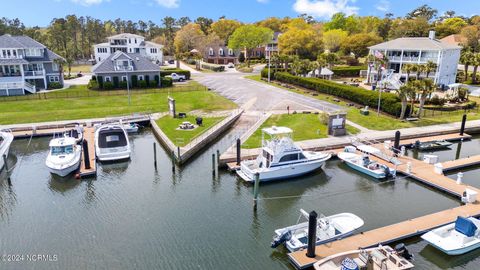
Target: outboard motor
<point>402,250</point>
<point>417,144</point>
<point>280,239</point>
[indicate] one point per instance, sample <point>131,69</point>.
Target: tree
<point>424,88</point>
<point>404,93</point>
<point>274,23</point>
<point>188,38</point>
<point>338,21</point>
<point>301,39</point>
<point>429,67</point>
<point>332,39</point>
<point>205,24</point>
<point>408,69</point>
<point>249,37</point>
<point>224,28</point>
<point>417,27</point>
<point>183,21</point>
<point>475,63</point>
<point>329,58</point>
<point>425,12</point>
<point>471,34</point>
<point>466,59</point>
<point>449,26</point>
<point>358,43</point>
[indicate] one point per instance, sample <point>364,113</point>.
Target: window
<point>129,40</point>
<point>230,52</point>
<point>99,59</point>
<point>135,41</point>
<point>108,78</point>
<point>289,157</point>
<point>153,50</point>
<point>221,52</point>
<point>124,78</point>
<point>55,67</point>
<point>140,77</point>
<point>210,52</point>
<point>53,79</point>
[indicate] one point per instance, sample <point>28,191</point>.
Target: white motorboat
<point>111,143</point>
<point>363,163</point>
<point>328,229</point>
<point>131,127</point>
<point>64,156</point>
<point>6,139</point>
<point>456,238</point>
<point>379,258</point>
<point>281,158</point>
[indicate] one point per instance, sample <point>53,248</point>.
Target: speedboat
<point>363,164</point>
<point>378,258</point>
<point>131,127</point>
<point>6,139</point>
<point>280,158</point>
<point>328,229</point>
<point>433,145</point>
<point>456,238</point>
<point>111,143</point>
<point>64,156</point>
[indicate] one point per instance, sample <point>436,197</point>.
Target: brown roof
<point>454,39</point>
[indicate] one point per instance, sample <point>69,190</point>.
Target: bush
<point>115,82</point>
<point>216,68</point>
<point>108,86</point>
<point>153,84</point>
<point>54,85</point>
<point>264,73</point>
<point>167,82</point>
<point>93,85</point>
<point>147,79</point>
<point>169,71</point>
<point>142,84</point>
<point>348,71</point>
<point>350,61</point>
<point>122,84</point>
<point>134,82</point>
<point>94,77</point>
<point>390,102</point>
<point>191,61</point>
<point>100,82</point>
<point>437,101</point>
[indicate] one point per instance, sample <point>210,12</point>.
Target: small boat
<point>281,158</point>
<point>6,139</point>
<point>363,163</point>
<point>131,127</point>
<point>378,258</point>
<point>76,133</point>
<point>328,229</point>
<point>111,143</point>
<point>456,238</point>
<point>64,156</point>
<point>433,145</point>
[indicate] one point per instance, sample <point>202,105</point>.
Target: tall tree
<point>358,43</point>
<point>333,39</point>
<point>404,93</point>
<point>224,28</point>
<point>466,59</point>
<point>424,88</point>
<point>205,24</point>
<point>249,37</point>
<point>425,12</point>
<point>188,38</point>
<point>300,39</point>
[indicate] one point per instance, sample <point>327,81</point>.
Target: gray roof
<point>125,35</point>
<point>414,43</point>
<point>48,56</point>
<point>140,63</point>
<point>17,61</point>
<point>22,42</point>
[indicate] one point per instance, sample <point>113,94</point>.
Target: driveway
<point>260,96</point>
<point>79,81</point>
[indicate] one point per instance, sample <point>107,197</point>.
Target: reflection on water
<point>136,216</point>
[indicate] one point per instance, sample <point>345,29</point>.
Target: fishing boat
<point>6,139</point>
<point>131,127</point>
<point>328,229</point>
<point>363,163</point>
<point>378,258</point>
<point>76,133</point>
<point>280,158</point>
<point>456,238</point>
<point>433,145</point>
<point>111,143</point>
<point>64,156</point>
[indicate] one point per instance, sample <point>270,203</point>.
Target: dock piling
<point>86,154</point>
<point>312,234</point>
<point>5,164</point>
<point>213,164</point>
<point>173,161</point>
<point>256,186</point>
<point>238,151</point>
<point>396,145</point>
<point>459,178</point>
<point>155,154</point>
<point>462,127</point>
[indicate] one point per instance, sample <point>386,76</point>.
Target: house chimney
<point>431,34</point>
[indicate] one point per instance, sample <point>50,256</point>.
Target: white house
<point>129,43</point>
<point>420,50</point>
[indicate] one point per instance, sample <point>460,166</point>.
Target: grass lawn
<point>383,121</point>
<point>77,68</point>
<point>114,103</point>
<point>304,126</point>
<point>169,126</point>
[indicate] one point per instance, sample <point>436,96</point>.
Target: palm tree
<point>425,88</point>
<point>475,62</point>
<point>408,69</point>
<point>429,67</point>
<point>420,69</point>
<point>404,93</point>
<point>370,60</point>
<point>321,62</point>
<point>466,60</point>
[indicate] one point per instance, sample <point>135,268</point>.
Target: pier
<point>461,163</point>
<point>91,170</point>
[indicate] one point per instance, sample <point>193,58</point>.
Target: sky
<point>41,12</point>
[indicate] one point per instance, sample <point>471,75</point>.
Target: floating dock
<point>461,163</point>
<point>89,137</point>
<point>421,172</point>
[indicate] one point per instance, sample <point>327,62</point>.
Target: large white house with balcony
<point>129,43</point>
<point>26,66</point>
<point>419,50</point>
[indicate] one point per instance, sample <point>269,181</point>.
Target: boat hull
<point>5,147</point>
<point>365,170</point>
<point>64,171</point>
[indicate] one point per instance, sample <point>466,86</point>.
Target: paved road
<point>241,90</point>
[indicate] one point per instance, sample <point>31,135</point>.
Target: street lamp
<point>128,87</point>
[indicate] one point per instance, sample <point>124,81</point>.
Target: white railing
<point>18,85</point>
<point>34,73</point>
<point>11,56</point>
<point>123,68</point>
<point>29,87</point>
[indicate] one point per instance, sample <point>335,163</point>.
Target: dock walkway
<point>89,137</point>
<point>461,163</point>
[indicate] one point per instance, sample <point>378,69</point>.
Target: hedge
<point>167,82</point>
<point>390,102</point>
<point>54,85</point>
<point>264,73</point>
<point>216,68</point>
<point>165,72</point>
<point>350,71</point>
<point>466,106</point>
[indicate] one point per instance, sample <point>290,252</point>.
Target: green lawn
<point>77,68</point>
<point>169,126</point>
<point>383,121</point>
<point>107,104</point>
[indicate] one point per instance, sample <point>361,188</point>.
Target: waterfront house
<point>264,51</point>
<point>126,67</point>
<point>27,66</point>
<point>420,50</point>
<point>129,43</point>
<point>220,55</point>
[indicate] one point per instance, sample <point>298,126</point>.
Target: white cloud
<point>263,1</point>
<point>169,3</point>
<point>383,5</point>
<point>325,8</point>
<point>88,2</point>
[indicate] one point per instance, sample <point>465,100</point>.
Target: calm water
<point>135,217</point>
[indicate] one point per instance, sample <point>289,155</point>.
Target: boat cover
<point>465,226</point>
<point>349,264</point>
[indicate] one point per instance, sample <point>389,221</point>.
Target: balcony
<point>12,74</point>
<point>411,59</point>
<point>123,68</point>
<point>11,56</point>
<point>34,73</point>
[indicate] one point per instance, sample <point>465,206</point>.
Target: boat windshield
<point>62,150</point>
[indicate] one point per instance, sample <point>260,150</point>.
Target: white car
<point>231,65</point>
<point>177,77</point>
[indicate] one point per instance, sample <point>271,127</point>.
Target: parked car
<point>231,65</point>
<point>177,77</point>
<point>171,62</point>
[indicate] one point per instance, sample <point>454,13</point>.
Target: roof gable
<point>414,43</point>
<point>139,62</point>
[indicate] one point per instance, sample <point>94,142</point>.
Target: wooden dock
<point>445,137</point>
<point>461,163</point>
<point>89,137</point>
<point>421,172</point>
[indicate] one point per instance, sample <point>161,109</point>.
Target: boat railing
<point>385,154</point>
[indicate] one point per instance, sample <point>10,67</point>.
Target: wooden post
<point>462,128</point>
<point>178,152</point>
<point>396,145</point>
<point>86,155</point>
<point>173,161</point>
<point>5,165</point>
<point>312,234</point>
<point>238,151</point>
<point>256,186</point>
<point>213,164</point>
<point>218,157</point>
<point>155,154</point>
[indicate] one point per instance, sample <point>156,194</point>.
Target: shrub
<point>147,79</point>
<point>54,85</point>
<point>100,81</point>
<point>437,101</point>
<point>348,71</point>
<point>142,84</point>
<point>351,61</point>
<point>390,102</point>
<point>122,84</point>
<point>134,82</point>
<point>94,77</point>
<point>108,86</point>
<point>153,84</point>
<point>264,73</point>
<point>157,79</point>
<point>216,68</point>
<point>167,82</point>
<point>169,71</point>
<point>93,85</point>
<point>191,61</point>
<point>115,82</point>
